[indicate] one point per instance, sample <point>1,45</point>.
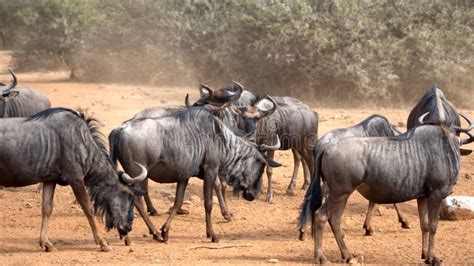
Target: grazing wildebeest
<point>295,124</point>
<point>373,126</point>
<point>191,143</point>
<point>61,146</point>
<point>229,114</point>
<point>156,112</point>
<point>21,102</point>
<point>428,103</point>
<point>247,101</point>
<point>421,164</point>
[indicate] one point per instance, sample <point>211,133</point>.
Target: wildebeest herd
<point>228,138</point>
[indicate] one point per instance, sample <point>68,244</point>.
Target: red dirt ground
<point>259,231</point>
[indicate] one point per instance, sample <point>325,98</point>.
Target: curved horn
<point>135,180</point>
<point>209,90</point>
<point>186,100</point>
<point>422,117</point>
<point>273,147</point>
<point>11,86</point>
<point>469,121</point>
<point>467,141</point>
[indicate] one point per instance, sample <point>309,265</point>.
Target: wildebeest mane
<point>48,112</point>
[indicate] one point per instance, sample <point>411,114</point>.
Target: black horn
<point>469,121</point>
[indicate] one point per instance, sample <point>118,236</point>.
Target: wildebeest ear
<point>272,163</point>
<point>465,152</point>
<point>10,95</point>
<point>266,106</point>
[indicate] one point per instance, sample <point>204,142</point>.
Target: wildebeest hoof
<point>356,259</point>
<point>305,186</point>
<point>227,217</point>
<point>302,236</point>
<point>127,241</point>
<point>106,248</point>
<point>153,212</point>
<point>164,235</point>
<point>369,232</point>
<point>433,261</point>
<point>48,247</point>
<point>214,239</point>
<point>290,192</point>
<point>269,199</point>
<point>322,259</point>
<point>405,225</point>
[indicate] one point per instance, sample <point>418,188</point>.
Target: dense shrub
<point>330,51</point>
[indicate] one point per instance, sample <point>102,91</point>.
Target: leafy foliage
<point>328,50</point>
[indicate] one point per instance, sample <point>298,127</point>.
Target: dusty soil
<point>259,231</point>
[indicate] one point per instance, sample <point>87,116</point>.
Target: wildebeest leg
<point>306,174</point>
<point>81,195</point>
<point>208,184</point>
<point>336,207</point>
<point>319,222</point>
<point>296,164</point>
<point>270,155</point>
<point>146,218</point>
<point>46,209</point>
<point>423,215</point>
<point>434,204</point>
<point>178,202</point>
<point>368,219</point>
<point>220,192</point>
<point>401,219</point>
<point>149,205</point>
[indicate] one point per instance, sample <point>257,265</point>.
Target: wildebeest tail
<point>313,198</point>
<point>114,144</point>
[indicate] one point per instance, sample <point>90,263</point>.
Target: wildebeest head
<point>218,97</point>
<point>117,203</point>
<point>453,131</point>
<point>439,108</point>
<point>250,181</point>
<point>261,108</point>
<point>7,94</point>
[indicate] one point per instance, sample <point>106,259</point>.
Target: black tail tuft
<point>313,198</point>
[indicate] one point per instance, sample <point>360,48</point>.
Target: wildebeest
<point>191,143</point>
<point>431,102</point>
<point>61,146</point>
<point>421,164</point>
<point>21,102</point>
<point>156,112</point>
<point>373,126</point>
<point>293,122</point>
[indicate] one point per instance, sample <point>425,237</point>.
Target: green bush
<point>330,51</point>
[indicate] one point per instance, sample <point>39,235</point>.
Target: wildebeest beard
<point>103,210</point>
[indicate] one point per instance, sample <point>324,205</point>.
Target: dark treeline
<point>328,51</point>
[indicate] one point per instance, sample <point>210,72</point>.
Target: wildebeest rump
<point>421,164</point>
<point>373,126</point>
<point>21,102</point>
<point>61,146</point>
<point>191,143</point>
